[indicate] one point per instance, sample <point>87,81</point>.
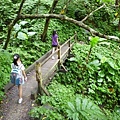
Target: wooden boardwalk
<point>50,66</point>
<point>11,110</point>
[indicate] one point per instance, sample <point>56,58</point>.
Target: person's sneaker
<point>20,100</point>
<point>53,57</point>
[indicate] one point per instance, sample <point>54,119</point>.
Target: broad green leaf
<point>31,33</point>
<point>17,27</point>
<point>99,56</point>
<point>69,113</point>
<point>95,63</point>
<point>112,64</point>
<point>101,73</point>
<point>116,21</point>
<point>73,59</point>
<point>25,30</point>
<point>100,80</point>
<point>104,59</point>
<point>107,1</point>
<point>111,71</point>
<point>94,41</point>
<point>22,36</point>
<point>23,23</point>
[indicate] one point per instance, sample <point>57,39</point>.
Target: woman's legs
<point>53,50</point>
<point>20,93</point>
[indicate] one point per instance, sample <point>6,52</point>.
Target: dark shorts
<point>54,45</point>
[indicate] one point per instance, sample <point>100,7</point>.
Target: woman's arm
<point>24,74</point>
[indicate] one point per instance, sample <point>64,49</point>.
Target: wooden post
<point>69,48</point>
<point>39,77</point>
<point>59,56</point>
<point>59,52</point>
<point>41,88</point>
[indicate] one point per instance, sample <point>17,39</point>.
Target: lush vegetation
<point>91,87</point>
<point>96,78</point>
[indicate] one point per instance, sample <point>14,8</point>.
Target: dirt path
<point>10,108</point>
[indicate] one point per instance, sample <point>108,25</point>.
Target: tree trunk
<point>117,2</point>
<point>9,32</point>
<point>44,34</point>
<point>12,24</point>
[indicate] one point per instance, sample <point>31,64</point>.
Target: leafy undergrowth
<point>5,59</point>
<point>89,90</point>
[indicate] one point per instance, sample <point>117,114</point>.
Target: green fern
<point>84,109</point>
<point>116,116</point>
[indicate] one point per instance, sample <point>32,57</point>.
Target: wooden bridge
<point>39,75</point>
<point>46,67</point>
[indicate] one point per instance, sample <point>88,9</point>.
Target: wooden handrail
<point>58,50</point>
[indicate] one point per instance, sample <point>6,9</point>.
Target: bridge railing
<point>61,55</point>
<point>58,51</point>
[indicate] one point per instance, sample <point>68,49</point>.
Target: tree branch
<point>92,13</point>
<point>12,24</point>
<point>43,35</point>
<point>21,5</point>
<point>78,23</point>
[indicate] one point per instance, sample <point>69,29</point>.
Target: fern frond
<point>71,106</point>
<point>85,109</point>
<point>78,104</point>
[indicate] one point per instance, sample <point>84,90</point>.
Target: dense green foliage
<point>100,75</point>
<point>98,80</point>
<point>5,60</point>
<point>92,81</point>
<point>58,107</point>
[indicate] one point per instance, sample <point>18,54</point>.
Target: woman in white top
<point>18,64</point>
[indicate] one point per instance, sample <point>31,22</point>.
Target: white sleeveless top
<point>21,67</point>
